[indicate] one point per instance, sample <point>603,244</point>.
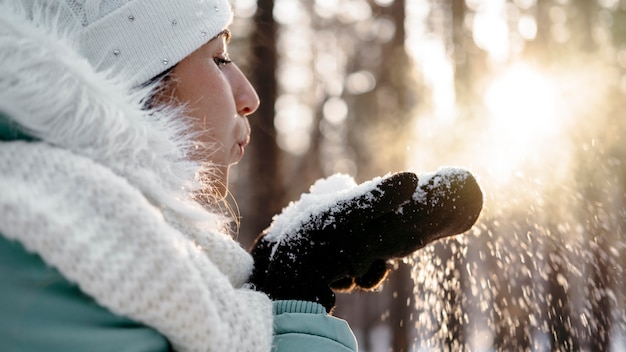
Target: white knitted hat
<point>142,38</point>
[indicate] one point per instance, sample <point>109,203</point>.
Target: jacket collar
<point>9,131</point>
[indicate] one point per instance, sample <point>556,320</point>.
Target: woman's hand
<point>343,239</point>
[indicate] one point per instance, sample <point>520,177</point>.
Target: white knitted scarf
<point>102,197</point>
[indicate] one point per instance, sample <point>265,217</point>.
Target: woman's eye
<point>222,61</point>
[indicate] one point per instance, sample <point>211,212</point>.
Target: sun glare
<point>522,104</point>
<point>522,128</point>
<point>524,121</point>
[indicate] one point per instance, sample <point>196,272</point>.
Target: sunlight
<point>524,121</point>
<point>522,104</point>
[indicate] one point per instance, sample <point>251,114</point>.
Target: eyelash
<point>220,61</point>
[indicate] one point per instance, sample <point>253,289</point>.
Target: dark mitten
<point>370,280</point>
<point>311,243</point>
<point>343,239</point>
<point>446,203</point>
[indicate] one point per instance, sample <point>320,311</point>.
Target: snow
<point>326,193</point>
<point>440,180</point>
<point>323,195</point>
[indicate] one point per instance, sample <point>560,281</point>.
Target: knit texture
<point>104,196</point>
<point>142,38</point>
<point>293,306</point>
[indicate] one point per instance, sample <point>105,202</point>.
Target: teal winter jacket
<point>43,311</point>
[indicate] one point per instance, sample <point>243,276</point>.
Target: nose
<point>246,97</point>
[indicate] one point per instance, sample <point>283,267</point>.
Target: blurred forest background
<point>527,94</point>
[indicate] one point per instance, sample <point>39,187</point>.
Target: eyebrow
<point>225,33</point>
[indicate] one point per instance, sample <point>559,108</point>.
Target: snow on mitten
<point>312,243</point>
<point>344,239</point>
<point>445,203</point>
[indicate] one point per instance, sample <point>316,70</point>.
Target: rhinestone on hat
<point>116,52</point>
<point>131,18</point>
<point>217,9</point>
<point>166,61</point>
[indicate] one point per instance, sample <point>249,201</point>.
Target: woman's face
<point>218,98</point>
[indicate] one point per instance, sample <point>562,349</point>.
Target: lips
<point>244,141</point>
<point>242,145</point>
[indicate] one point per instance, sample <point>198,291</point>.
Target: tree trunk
<point>264,160</point>
<point>401,308</point>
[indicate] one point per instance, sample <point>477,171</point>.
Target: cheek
<point>215,133</point>
<point>206,93</point>
<point>205,103</point>
<point>196,85</point>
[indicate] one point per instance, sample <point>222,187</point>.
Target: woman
<point>103,245</point>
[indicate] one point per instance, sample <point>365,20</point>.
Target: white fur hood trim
<point>56,96</point>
